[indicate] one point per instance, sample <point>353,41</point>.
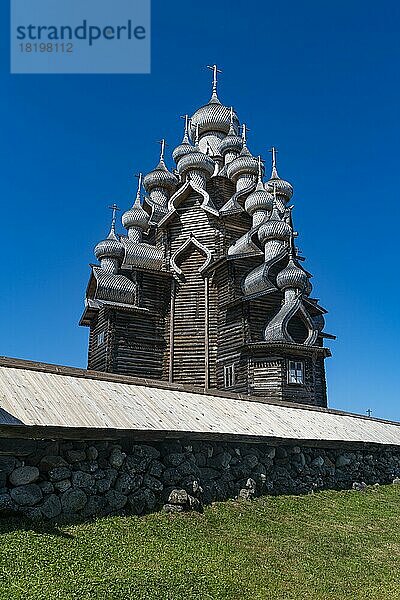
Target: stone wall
<point>43,480</point>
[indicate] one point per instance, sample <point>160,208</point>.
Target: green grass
<point>336,545</point>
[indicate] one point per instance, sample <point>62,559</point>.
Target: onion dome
<point>136,216</point>
<point>260,199</point>
<point>160,177</point>
<point>232,142</point>
<point>244,164</point>
<point>182,150</point>
<point>111,247</point>
<point>196,161</point>
<point>274,229</point>
<point>185,147</point>
<point>292,277</point>
<point>282,187</point>
<point>213,116</point>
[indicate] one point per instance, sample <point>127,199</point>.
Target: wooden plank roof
<point>37,397</point>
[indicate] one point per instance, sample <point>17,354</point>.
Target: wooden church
<point>207,287</point>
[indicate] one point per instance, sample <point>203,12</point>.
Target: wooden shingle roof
<point>47,400</point>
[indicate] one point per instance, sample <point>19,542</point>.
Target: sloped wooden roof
<point>44,400</point>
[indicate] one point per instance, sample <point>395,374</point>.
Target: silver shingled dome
<point>185,147</point>
<point>135,216</point>
<point>182,150</point>
<point>111,247</point>
<point>213,116</point>
<point>274,229</point>
<point>160,177</point>
<point>292,277</point>
<point>283,188</point>
<point>244,164</point>
<point>196,161</point>
<point>260,199</point>
<point>231,143</point>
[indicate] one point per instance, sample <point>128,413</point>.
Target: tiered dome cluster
<point>212,145</point>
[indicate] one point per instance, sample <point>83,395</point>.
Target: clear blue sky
<point>318,80</point>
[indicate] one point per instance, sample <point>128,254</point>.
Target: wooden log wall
<point>267,378</point>
<point>138,345</point>
<point>221,190</point>
<point>135,340</point>
<point>97,355</point>
<point>189,321</point>
<point>191,219</point>
<point>230,327</point>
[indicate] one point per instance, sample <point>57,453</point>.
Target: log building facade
<point>207,287</point>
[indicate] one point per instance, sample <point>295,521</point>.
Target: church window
<point>100,339</point>
<point>229,376</point>
<point>296,372</point>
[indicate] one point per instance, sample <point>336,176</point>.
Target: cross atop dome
<point>162,149</point>
<point>114,209</point>
<point>186,118</point>
<point>215,70</point>
<point>245,131</point>
<point>260,161</point>
<point>139,177</point>
<point>274,151</point>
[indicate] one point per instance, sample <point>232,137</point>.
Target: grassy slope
<point>331,545</point>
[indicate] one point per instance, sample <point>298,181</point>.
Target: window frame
<point>229,376</point>
<point>298,380</point>
<point>101,338</point>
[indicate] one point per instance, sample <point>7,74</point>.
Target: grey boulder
<point>24,475</point>
<point>115,499</point>
<point>179,497</point>
<point>73,500</point>
<point>51,507</point>
<point>27,495</point>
